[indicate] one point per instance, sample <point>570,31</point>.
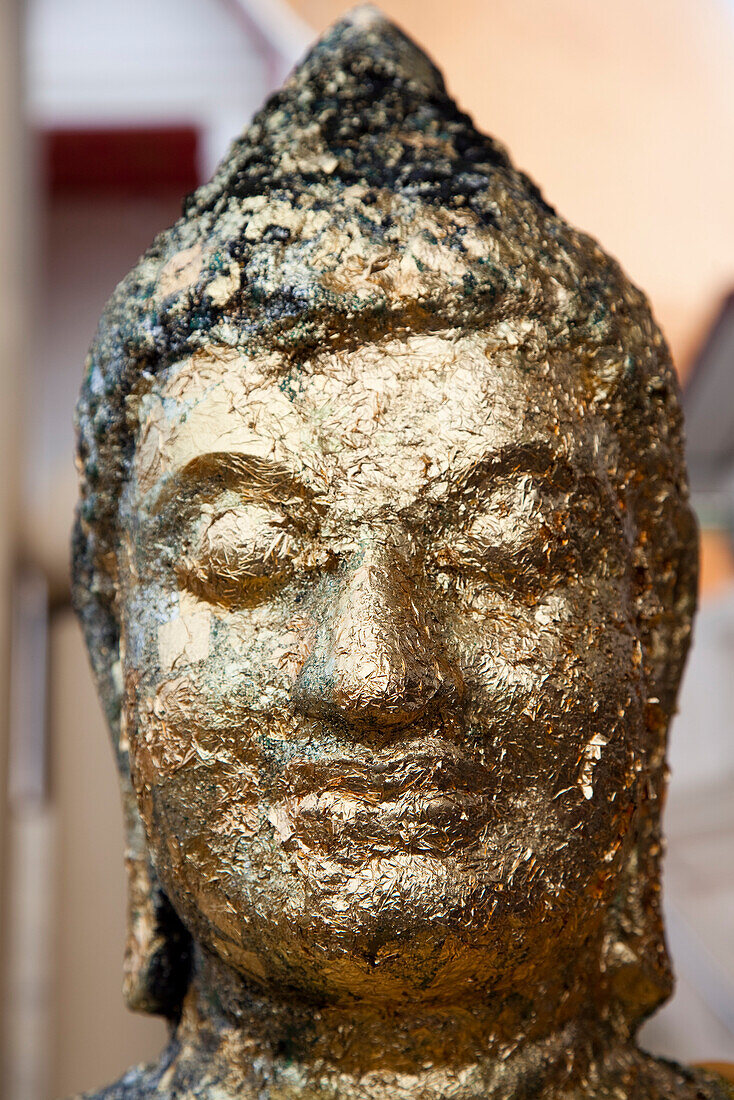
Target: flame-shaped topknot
<point>366,107</point>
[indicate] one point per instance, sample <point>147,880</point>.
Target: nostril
<point>405,700</point>
<point>371,703</point>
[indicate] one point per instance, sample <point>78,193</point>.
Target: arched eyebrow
<point>536,457</point>
<point>265,478</point>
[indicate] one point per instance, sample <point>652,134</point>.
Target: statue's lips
<point>431,801</point>
<point>389,774</point>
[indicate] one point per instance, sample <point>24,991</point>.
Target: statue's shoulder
<point>139,1083</point>
<point>700,1082</point>
<point>723,1074</point>
<point>716,1087</point>
<point>637,1075</point>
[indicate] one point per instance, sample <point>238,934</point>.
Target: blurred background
<point>110,112</point>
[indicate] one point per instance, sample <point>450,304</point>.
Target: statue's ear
<point>158,947</point>
<point>635,959</point>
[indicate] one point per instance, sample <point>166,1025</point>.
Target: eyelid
<point>246,530</point>
<point>238,557</point>
<point>517,544</point>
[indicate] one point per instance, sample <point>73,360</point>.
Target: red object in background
<point>126,161</point>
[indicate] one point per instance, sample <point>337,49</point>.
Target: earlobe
<point>158,947</point>
<point>635,958</point>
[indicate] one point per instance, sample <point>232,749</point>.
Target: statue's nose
<point>375,659</point>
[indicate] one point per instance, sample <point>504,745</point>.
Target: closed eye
<point>239,552</point>
<point>516,534</point>
<point>505,563</point>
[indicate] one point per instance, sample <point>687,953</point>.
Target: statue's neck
<point>249,1047</point>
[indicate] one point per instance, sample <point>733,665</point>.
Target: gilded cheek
<point>184,758</point>
<point>164,739</point>
<point>178,728</point>
<point>267,651</point>
<point>514,662</point>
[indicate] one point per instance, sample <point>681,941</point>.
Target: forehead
<point>385,419</point>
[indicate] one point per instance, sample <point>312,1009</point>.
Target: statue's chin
<point>409,927</point>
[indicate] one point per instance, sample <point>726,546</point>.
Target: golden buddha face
<point>383,681</point>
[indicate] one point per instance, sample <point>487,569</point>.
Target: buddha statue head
<point>386,566</point>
